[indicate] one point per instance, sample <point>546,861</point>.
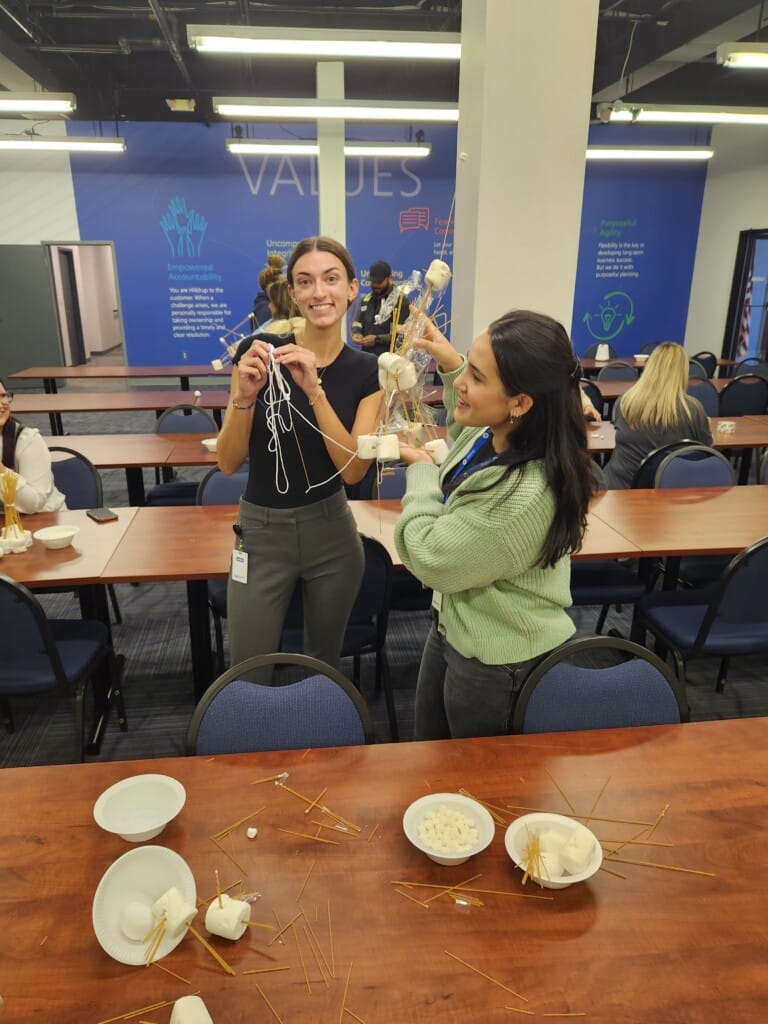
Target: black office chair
<point>763,478</point>
<point>648,347</point>
<point>184,418</point>
<point>566,691</point>
<point>239,713</point>
<point>593,393</point>
<point>366,631</point>
<point>216,488</point>
<point>38,654</point>
<point>618,371</point>
<point>706,393</point>
<point>708,360</point>
<point>697,370</point>
<point>725,619</point>
<point>80,482</point>
<point>744,396</point>
<point>591,351</point>
<point>751,366</point>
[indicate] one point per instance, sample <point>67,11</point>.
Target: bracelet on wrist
<point>318,393</point>
<point>243,408</point>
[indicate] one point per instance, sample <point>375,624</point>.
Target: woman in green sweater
<point>492,529</point>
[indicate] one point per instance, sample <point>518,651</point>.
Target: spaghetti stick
<point>597,799</point>
<point>354,1015</point>
<point>517,1009</point>
<point>313,950</point>
<point>277,919</point>
<point>169,971</point>
<point>613,821</point>
<point>573,1014</point>
<point>316,801</point>
<point>218,888</point>
<point>258,924</point>
<point>489,807</point>
<point>658,821</point>
<point>330,942</point>
<point>346,989</point>
<point>226,853</point>
<point>135,1013</point>
<point>269,778</point>
<point>236,824</point>
<point>448,888</point>
<point>484,975</point>
<point>664,867</point>
<point>303,835</point>
<point>285,929</point>
<point>338,817</point>
<point>466,888</point>
<point>608,871</point>
<point>266,970</point>
<point>219,959</point>
<point>559,790</point>
<point>317,944</point>
<point>627,842</point>
<point>412,898</point>
<point>375,829</point>
<point>225,888</point>
<point>274,1011</point>
<point>301,957</point>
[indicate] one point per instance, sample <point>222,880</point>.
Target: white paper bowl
<point>641,357</point>
<point>127,890</point>
<point>57,536</point>
<point>140,807</point>
<point>414,816</point>
<point>518,836</point>
<point>210,443</point>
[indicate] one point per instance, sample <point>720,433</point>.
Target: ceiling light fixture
<point>98,144</point>
<point>345,110</point>
<point>323,43</point>
<point>276,147</point>
<point>654,113</point>
<point>649,153</point>
<point>743,55</point>
<point>37,102</point>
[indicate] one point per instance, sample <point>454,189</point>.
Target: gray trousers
<point>458,697</point>
<point>317,544</point>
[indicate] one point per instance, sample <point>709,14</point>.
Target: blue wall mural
<point>193,225</point>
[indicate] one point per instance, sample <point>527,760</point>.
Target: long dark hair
<point>535,357</point>
<point>10,432</point>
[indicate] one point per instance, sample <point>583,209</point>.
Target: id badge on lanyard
<point>239,570</point>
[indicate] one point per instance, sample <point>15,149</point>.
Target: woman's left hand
<point>302,365</point>
<point>410,455</point>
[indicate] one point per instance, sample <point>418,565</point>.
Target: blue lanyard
<point>464,468</point>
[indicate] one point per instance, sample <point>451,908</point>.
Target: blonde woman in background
<point>653,412</point>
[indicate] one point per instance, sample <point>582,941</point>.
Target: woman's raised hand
<point>442,351</point>
<point>302,365</point>
<point>251,371</point>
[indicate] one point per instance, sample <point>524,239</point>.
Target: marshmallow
<point>396,373</point>
<point>438,275</point>
<point>228,920</point>
<point>252,832</point>
<point>549,866</point>
<point>551,841</point>
<point>388,448</point>
<point>576,853</point>
<point>136,921</point>
<point>177,913</point>
<point>190,1010</point>
<point>438,449</point>
<point>367,445</point>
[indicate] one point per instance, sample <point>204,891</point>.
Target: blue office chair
<point>216,488</point>
<point>705,392</point>
<point>80,482</point>
<point>751,366</point>
<point>562,694</point>
<point>366,631</point>
<point>38,655</point>
<point>618,371</point>
<point>697,370</point>
<point>238,714</point>
<point>725,619</point>
<point>744,396</point>
<point>184,418</point>
<point>708,360</point>
<point>648,347</point>
<point>646,471</point>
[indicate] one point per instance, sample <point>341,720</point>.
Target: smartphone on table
<point>101,515</point>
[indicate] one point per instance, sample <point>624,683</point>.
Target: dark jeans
<point>461,697</point>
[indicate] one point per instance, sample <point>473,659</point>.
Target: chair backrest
<point>593,393</point>
<point>618,371</point>
<point>597,479</point>
<point>638,689</point>
<point>237,715</point>
<point>764,469</point>
<point>706,393</point>
<point>646,471</point>
<point>708,360</point>
<point>591,351</point>
<point>29,660</point>
<point>738,598</point>
<point>744,396</point>
<point>217,488</point>
<point>753,366</point>
<point>390,482</point>
<point>186,418</point>
<point>697,369</point>
<point>76,477</point>
<point>648,347</point>
<point>696,465</point>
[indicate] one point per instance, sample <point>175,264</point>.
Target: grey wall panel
<point>29,329</point>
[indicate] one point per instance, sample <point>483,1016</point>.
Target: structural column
<point>331,169</point>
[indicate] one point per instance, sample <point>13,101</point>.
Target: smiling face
<point>481,400</point>
<point>321,289</point>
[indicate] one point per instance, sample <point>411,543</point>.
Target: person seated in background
<point>273,271</point>
<point>26,455</point>
<point>653,412</point>
<point>281,305</point>
<point>372,328</point>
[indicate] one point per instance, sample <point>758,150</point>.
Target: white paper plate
<point>210,443</point>
<point>140,876</point>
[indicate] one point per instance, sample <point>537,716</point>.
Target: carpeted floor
<point>154,638</point>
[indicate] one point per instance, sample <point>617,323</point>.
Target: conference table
<point>672,928</point>
<point>595,365</point>
<point>147,400</point>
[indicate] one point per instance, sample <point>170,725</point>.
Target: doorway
<point>87,300</point>
<point>746,328</point>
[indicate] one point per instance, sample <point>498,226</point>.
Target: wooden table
<point>654,945</point>
<point>51,374</point>
<point>613,389</point>
<point>116,401</point>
